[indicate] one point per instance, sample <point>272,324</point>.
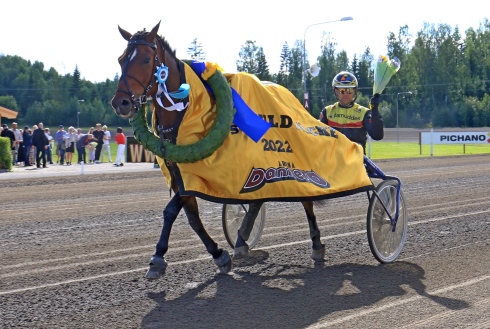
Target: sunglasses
<point>345,90</point>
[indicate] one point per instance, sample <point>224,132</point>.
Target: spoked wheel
<point>385,244</point>
<point>232,219</point>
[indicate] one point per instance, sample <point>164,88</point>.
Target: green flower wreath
<point>202,148</point>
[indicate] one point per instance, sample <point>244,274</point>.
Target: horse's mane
<point>163,42</point>
<point>166,46</point>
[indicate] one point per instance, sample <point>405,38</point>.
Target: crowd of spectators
<point>35,146</point>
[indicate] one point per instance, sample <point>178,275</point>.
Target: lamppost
<point>78,112</point>
<point>402,93</point>
<point>305,92</point>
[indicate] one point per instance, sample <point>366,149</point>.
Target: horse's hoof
<point>318,255</point>
<point>157,268</point>
<point>241,252</point>
<point>223,262</point>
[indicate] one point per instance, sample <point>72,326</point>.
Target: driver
<point>350,118</point>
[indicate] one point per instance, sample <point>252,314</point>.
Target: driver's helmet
<point>344,79</point>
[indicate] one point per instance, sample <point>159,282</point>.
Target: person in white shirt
<point>49,153</point>
<point>70,139</point>
<point>18,141</point>
<point>106,147</point>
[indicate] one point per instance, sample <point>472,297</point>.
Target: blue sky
<point>62,34</point>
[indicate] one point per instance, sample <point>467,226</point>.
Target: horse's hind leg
<point>318,248</point>
<point>221,257</point>
<point>241,246</point>
<point>158,264</point>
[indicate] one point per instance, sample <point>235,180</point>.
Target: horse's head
<point>145,53</point>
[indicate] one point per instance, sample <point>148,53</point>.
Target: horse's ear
<point>125,34</point>
<point>154,31</point>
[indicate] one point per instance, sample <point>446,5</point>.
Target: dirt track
<point>74,251</point>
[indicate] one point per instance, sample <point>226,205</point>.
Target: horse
<point>148,55</point>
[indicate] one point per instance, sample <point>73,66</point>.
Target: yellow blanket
<point>298,159</point>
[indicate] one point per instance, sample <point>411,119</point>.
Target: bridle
<point>166,133</point>
<point>161,78</point>
<point>142,100</point>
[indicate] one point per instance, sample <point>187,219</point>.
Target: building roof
<point>6,113</point>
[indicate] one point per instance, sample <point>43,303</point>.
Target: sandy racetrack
<point>75,250</point>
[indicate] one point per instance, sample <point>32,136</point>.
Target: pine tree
<point>76,82</point>
<point>195,50</point>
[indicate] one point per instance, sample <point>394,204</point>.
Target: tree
<point>283,74</point>
<point>9,102</point>
<point>262,66</point>
<point>76,82</point>
<point>248,61</point>
<point>196,51</point>
<point>365,75</point>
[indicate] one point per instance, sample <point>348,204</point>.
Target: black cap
<point>61,126</point>
<point>26,127</point>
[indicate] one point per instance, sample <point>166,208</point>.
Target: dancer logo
<point>258,177</point>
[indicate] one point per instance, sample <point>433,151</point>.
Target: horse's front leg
<point>318,248</point>
<point>241,246</point>
<point>158,264</point>
<point>221,257</point>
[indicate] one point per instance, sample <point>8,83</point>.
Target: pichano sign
<point>455,137</point>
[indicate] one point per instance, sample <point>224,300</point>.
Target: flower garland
<point>213,139</point>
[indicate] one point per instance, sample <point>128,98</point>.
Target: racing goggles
<point>345,90</point>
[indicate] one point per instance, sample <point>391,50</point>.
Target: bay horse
<point>146,53</point>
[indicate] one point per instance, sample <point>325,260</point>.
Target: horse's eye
<point>147,60</point>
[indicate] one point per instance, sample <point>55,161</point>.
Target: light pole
<point>78,112</point>
<point>402,93</point>
<point>305,92</point>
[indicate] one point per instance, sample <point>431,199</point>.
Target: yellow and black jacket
<point>354,122</point>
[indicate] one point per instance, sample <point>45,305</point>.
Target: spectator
<point>106,147</point>
<point>83,141</point>
<point>121,145</point>
<point>60,144</point>
<point>99,138</point>
<point>78,135</point>
<point>18,142</point>
<point>91,152</point>
<point>27,141</point>
<point>6,132</point>
<point>33,148</point>
<point>70,139</point>
<point>40,141</point>
<point>49,153</point>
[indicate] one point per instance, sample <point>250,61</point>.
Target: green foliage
<point>9,102</point>
<point>5,154</point>
<point>46,96</point>
<point>448,73</point>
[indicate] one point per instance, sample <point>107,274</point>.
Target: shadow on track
<point>287,296</point>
